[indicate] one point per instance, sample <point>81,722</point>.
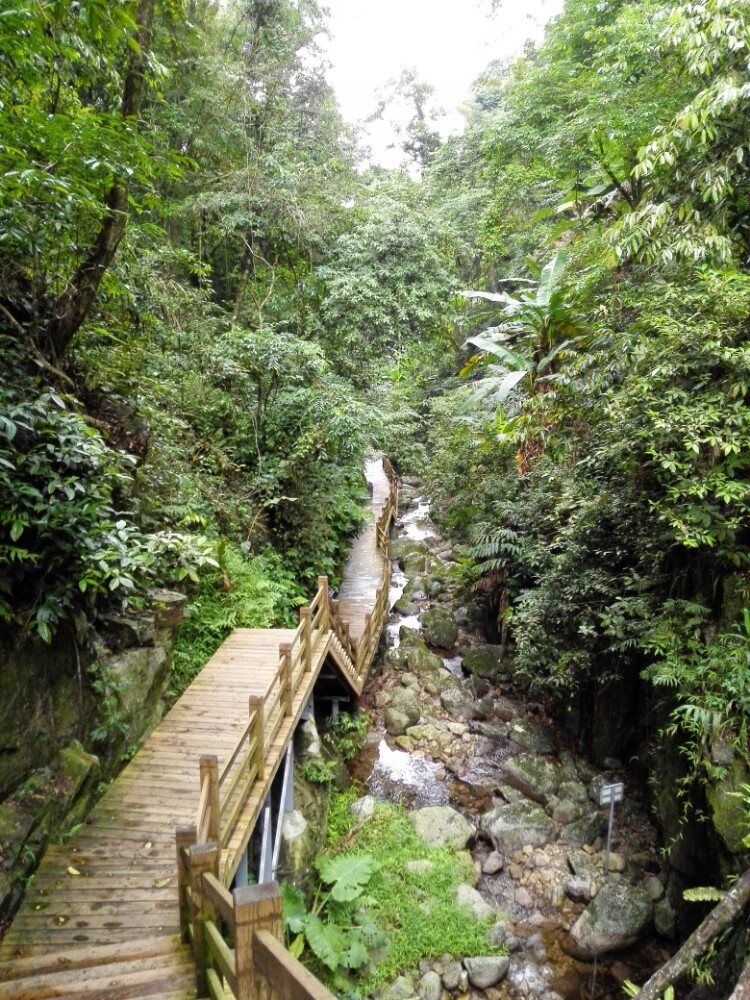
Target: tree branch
<point>72,306</point>
<point>722,916</point>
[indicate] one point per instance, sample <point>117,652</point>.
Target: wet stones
<point>485,661</point>
<point>511,827</point>
<point>439,628</point>
<point>441,826</point>
<point>614,920</point>
<point>535,777</point>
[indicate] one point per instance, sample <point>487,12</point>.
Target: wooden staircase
<point>155,967</point>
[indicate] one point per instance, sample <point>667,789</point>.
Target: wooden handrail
<point>225,792</point>
<point>258,965</point>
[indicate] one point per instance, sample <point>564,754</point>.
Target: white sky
<point>448,42</point>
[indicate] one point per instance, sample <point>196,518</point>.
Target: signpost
<point>608,795</point>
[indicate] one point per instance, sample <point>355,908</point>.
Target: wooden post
<point>334,612</point>
<point>185,837</point>
<point>257,705</point>
<point>325,622</point>
<point>305,617</point>
<point>287,689</point>
<point>203,858</point>
<point>256,907</point>
<point>210,772</point>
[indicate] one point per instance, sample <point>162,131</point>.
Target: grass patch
<point>416,909</point>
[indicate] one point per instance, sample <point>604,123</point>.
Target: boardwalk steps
<point>122,909</point>
<point>160,967</point>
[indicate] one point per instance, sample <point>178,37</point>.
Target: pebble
<point>493,863</point>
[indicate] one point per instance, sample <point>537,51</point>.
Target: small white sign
<point>611,793</point>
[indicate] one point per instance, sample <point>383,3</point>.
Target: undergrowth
<point>244,592</point>
<point>416,909</point>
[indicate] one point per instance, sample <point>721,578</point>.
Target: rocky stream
<point>480,766</point>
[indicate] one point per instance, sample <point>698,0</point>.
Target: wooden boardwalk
<point>101,917</point>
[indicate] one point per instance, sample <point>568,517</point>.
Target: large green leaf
<point>550,278</point>
<point>347,874</point>
<point>295,911</point>
<point>326,940</point>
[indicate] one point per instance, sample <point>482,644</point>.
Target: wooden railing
<point>224,793</point>
<point>257,966</point>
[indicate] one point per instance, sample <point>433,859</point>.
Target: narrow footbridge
<point>150,898</point>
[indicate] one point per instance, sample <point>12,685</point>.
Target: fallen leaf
<point>73,871</point>
<point>147,845</point>
<point>161,882</point>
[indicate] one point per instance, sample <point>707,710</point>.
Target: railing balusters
<point>305,617</point>
<point>209,772</point>
<point>258,732</point>
<point>287,687</point>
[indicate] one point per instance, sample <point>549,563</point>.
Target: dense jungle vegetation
<point>210,313</point>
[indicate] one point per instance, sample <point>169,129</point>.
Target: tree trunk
<point>72,306</point>
<point>722,916</point>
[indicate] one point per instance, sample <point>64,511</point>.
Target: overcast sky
<point>448,42</point>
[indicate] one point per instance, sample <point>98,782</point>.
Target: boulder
<point>418,657</point>
<point>485,661</point>
<point>486,970</point>
<point>396,723</point>
<point>403,550</point>
<point>467,898</point>
<point>533,736</point>
<point>406,701</point>
<point>616,918</point>
<point>439,628</point>
<point>513,826</point>
<point>536,777</point>
<point>440,826</point>
<point>456,701</point>
<point>584,830</point>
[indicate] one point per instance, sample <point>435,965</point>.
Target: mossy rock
<point>406,552</point>
<point>485,661</point>
<point>439,628</point>
<point>419,659</point>
<point>728,807</point>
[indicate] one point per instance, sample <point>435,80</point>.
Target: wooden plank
<point>287,975</point>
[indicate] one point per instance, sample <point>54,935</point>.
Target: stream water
<point>529,886</point>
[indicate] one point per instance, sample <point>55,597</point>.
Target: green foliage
<point>339,929</point>
<point>710,680</point>
<point>415,909</point>
<point>244,592</point>
<point>345,734</point>
<point>65,540</point>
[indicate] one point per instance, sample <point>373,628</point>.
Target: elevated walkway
<point>114,903</point>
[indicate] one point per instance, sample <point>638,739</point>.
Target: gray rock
<point>467,898</point>
<point>533,736</point>
<point>566,812</point>
<point>406,701</point>
<point>512,827</point>
<point>400,989</point>
<point>440,826</point>
<point>497,935</point>
<point>614,920</point>
<point>572,791</point>
<point>486,970</point>
<point>578,889</point>
<point>665,920</point>
<point>452,975</point>
<point>584,830</point>
<point>493,863</point>
<point>418,866</point>
<point>536,777</point>
<point>430,986</point>
<point>396,723</point>
<point>363,808</point>
<point>652,885</point>
<point>439,628</point>
<point>485,661</point>
<point>456,701</point>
